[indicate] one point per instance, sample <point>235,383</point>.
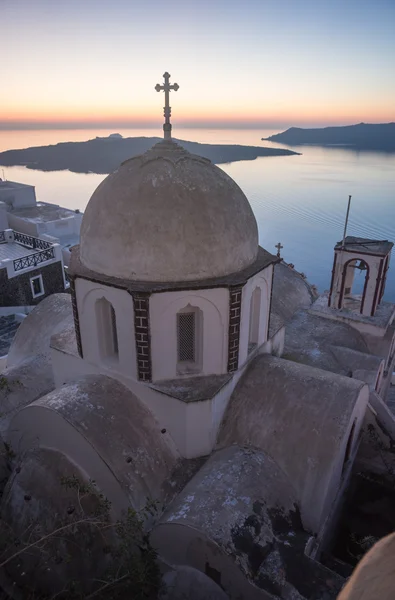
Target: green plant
<point>103,559</point>
<point>4,385</point>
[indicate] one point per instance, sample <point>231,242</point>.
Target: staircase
<point>8,329</point>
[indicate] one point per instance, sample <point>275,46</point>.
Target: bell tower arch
<point>369,258</point>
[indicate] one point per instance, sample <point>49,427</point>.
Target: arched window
<point>255,313</point>
<point>354,283</point>
<point>189,340</point>
<point>107,329</point>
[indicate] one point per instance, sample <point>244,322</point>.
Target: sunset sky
<point>238,62</point>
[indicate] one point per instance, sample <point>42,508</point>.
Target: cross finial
<point>279,248</point>
<point>166,87</point>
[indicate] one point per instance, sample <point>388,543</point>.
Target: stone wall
<point>17,290</point>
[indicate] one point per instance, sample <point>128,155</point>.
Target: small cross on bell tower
<point>279,248</point>
<point>166,87</point>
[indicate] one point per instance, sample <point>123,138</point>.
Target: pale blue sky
<point>274,62</point>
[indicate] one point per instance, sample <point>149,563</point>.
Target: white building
<point>39,219</point>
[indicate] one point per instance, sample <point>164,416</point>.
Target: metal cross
<point>166,87</point>
<point>279,247</point>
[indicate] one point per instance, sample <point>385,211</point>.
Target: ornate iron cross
<point>166,87</point>
<point>279,248</point>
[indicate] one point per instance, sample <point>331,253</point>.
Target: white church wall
<point>275,344</point>
<point>263,280</point>
<point>68,367</point>
<point>321,513</point>
<point>214,304</point>
<point>169,412</point>
<point>192,426</point>
<point>219,405</point>
<point>88,294</point>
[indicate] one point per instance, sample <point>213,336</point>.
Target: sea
<point>299,201</point>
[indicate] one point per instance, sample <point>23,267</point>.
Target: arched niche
<point>255,316</point>
<point>205,315</point>
<point>103,312</point>
<point>107,329</point>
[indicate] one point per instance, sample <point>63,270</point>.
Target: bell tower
<point>371,259</point>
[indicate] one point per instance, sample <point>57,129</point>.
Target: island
<point>103,155</point>
<point>363,136</point>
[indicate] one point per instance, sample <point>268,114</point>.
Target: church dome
<point>168,215</point>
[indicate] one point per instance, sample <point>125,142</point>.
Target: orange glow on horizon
<point>185,118</point>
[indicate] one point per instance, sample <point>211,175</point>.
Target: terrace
<point>21,252</point>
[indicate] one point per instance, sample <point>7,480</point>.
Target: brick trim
<point>235,295</point>
<point>142,335</point>
<point>76,316</point>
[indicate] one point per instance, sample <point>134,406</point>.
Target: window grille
<point>186,337</point>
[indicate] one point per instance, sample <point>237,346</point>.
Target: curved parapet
<point>107,432</point>
<point>307,419</point>
<point>33,337</point>
<point>230,521</point>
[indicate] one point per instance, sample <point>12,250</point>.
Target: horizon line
<point>24,125</point>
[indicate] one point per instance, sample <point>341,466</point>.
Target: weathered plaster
<point>168,215</point>
<point>107,432</point>
<point>301,416</point>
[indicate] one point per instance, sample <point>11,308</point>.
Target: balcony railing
<point>30,241</point>
<point>34,259</point>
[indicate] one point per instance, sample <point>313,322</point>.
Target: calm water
<point>298,200</point>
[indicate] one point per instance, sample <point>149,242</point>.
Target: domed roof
<point>168,215</point>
